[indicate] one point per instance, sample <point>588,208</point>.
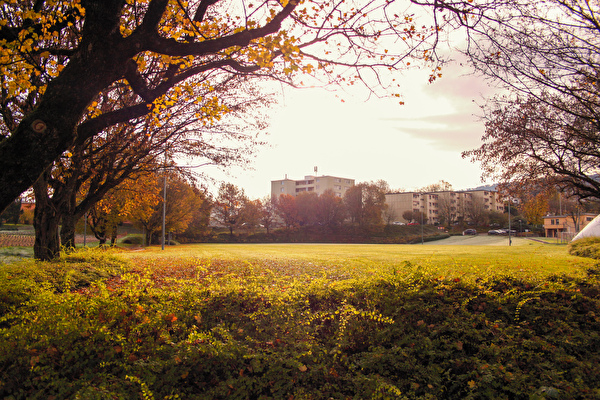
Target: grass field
<point>307,321</point>
<point>526,259</point>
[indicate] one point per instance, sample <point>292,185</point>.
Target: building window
<point>282,190</point>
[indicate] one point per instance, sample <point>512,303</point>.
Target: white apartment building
<point>311,183</point>
<point>457,204</point>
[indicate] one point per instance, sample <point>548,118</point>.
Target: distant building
<point>457,205</point>
<point>311,183</point>
<point>560,225</point>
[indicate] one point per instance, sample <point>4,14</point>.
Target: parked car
<point>398,223</point>
<point>469,232</point>
<point>495,232</point>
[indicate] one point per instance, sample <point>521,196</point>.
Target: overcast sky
<point>409,146</point>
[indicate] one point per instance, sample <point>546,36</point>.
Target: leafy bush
<point>587,247</point>
<point>216,329</point>
<point>133,239</point>
<point>73,271</point>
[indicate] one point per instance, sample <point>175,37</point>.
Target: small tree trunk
<point>45,223</point>
<point>113,234</point>
<point>69,220</point>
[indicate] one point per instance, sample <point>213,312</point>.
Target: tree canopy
<point>547,54</point>
<point>64,65</point>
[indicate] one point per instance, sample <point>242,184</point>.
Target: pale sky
<point>409,146</point>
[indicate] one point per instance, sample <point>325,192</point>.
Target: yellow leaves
<point>18,59</point>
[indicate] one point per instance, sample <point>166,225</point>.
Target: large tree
<point>287,209</point>
<point>66,59</point>
<point>528,141</point>
<point>306,204</point>
<point>268,212</point>
<point>133,198</point>
<point>182,202</point>
<point>228,208</point>
<point>547,54</point>
<point>365,203</point>
<point>12,213</point>
<point>330,210</point>
<point>188,132</point>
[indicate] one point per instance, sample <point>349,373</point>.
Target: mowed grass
<point>525,260</point>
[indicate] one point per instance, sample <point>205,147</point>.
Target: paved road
<point>481,240</point>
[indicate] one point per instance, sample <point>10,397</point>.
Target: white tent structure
<point>591,230</point>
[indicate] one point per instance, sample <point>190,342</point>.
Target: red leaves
<point>170,318</point>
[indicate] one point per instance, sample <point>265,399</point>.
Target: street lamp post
<point>422,240</point>
<point>520,226</point>
<point>164,211</point>
<point>509,227</point>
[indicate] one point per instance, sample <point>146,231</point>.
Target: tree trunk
<point>45,223</point>
<point>114,230</point>
<point>69,220</point>
<point>149,237</point>
<point>67,231</point>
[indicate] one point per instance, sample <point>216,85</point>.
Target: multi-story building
<point>453,205</point>
<point>311,183</point>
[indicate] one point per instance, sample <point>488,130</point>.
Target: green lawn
<point>528,259</point>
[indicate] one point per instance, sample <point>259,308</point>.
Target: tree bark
<point>149,237</point>
<point>45,223</point>
<point>67,231</point>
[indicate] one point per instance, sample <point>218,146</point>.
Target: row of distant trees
<point>189,209</point>
<point>363,204</point>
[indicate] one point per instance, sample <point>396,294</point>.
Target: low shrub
<point>587,247</point>
<point>209,329</point>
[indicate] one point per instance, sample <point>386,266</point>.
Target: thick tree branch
<point>173,48</point>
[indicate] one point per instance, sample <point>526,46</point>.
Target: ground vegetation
<point>185,326</point>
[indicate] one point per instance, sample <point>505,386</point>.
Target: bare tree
<point>547,54</point>
<point>268,212</point>
<point>474,211</point>
<point>447,209</point>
